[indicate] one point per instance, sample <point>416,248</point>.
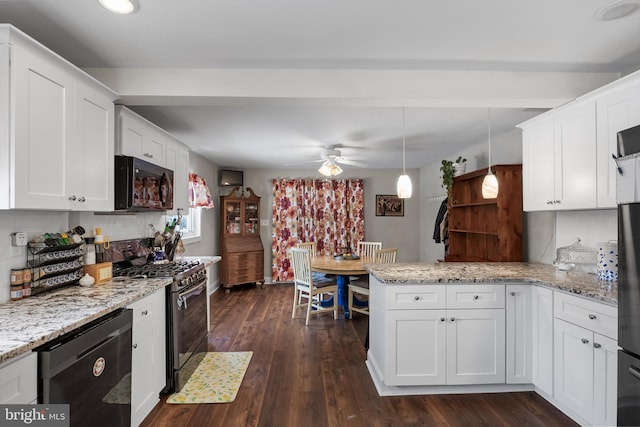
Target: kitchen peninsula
<point>494,327</point>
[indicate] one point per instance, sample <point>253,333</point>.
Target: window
<point>190,225</point>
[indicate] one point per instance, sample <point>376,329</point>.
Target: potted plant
<point>450,169</point>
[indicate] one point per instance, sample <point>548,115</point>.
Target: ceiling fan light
<point>329,168</point>
<point>490,186</point>
<point>122,7</point>
<point>404,187</point>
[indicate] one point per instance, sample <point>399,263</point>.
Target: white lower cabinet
<point>542,339</point>
<point>148,363</point>
<point>18,380</point>
<point>428,340</point>
<point>518,340</point>
<point>585,362</point>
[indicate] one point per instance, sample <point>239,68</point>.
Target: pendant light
<point>404,182</point>
<point>490,182</point>
<point>122,7</point>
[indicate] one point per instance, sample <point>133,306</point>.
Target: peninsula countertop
<point>582,284</point>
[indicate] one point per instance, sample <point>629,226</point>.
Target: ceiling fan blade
<point>351,162</point>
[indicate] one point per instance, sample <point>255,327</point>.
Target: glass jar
<point>89,252</point>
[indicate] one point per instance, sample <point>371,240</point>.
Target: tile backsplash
<point>591,227</point>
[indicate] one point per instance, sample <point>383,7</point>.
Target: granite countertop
<point>31,322</point>
<point>582,284</point>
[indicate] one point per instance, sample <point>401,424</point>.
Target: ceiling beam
<point>387,88</point>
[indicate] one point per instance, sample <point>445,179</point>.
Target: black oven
<point>187,329</point>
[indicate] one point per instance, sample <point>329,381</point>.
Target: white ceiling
<point>270,83</point>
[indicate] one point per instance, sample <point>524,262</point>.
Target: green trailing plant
<point>448,171</point>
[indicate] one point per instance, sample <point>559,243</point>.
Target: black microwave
<point>142,186</point>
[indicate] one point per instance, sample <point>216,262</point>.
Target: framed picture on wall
<point>389,205</point>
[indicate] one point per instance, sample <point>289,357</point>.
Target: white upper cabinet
<point>138,137</point>
<point>566,152</point>
<point>58,138</point>
<point>178,162</point>
<point>617,109</point>
<point>559,161</point>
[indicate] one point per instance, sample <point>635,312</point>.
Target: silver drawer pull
<point>82,199</point>
<point>72,198</point>
<point>592,316</point>
<point>513,294</point>
<point>144,313</point>
<point>475,297</point>
<point>596,345</point>
<point>417,298</point>
<point>442,319</point>
<point>585,341</point>
<point>148,155</point>
<point>453,319</point>
<point>135,346</point>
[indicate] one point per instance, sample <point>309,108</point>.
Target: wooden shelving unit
<point>241,248</point>
<point>486,229</point>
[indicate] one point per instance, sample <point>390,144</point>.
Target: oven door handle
<point>182,301</point>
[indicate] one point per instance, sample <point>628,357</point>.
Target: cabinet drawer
<point>597,317</point>
<point>475,296</point>
<point>414,297</point>
<point>146,309</point>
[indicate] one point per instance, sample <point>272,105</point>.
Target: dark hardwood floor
<point>315,376</point>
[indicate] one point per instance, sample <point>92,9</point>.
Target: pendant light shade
<point>490,182</point>
<point>404,182</point>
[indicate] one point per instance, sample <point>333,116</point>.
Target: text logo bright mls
<point>35,415</point>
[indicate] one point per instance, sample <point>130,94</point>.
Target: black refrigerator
<point>629,277</point>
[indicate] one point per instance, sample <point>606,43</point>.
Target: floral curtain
<point>199,193</point>
<point>328,212</point>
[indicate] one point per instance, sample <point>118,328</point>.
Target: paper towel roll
<point>608,260</point>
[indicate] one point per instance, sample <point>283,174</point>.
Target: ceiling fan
<point>330,158</point>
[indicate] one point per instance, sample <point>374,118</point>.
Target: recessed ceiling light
<point>122,7</point>
<point>617,9</point>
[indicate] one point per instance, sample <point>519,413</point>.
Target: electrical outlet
<point>19,238</point>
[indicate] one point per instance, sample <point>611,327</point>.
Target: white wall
<point>399,232</point>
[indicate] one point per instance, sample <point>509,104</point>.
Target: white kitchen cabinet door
<point>178,162</point>
<point>475,346</point>
<point>542,339</point>
<point>575,157</point>
<point>416,352</point>
<point>616,110</point>
<point>605,377</point>
<point>93,185</point>
<point>18,380</point>
<point>137,137</point>
<point>44,118</point>
<point>573,363</point>
<point>538,173</point>
<point>148,356</point>
<point>518,340</point>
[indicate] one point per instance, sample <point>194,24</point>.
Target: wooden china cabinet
<point>486,229</point>
<point>241,247</point>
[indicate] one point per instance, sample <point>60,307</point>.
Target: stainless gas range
<point>186,313</point>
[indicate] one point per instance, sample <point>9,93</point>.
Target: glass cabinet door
<point>250,218</point>
<point>232,215</point>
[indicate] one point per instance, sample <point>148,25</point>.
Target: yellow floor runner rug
<point>216,379</point>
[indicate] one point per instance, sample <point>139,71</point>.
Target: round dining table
<point>342,268</point>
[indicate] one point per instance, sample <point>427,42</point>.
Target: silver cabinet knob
<point>417,298</point>
<point>82,199</point>
<point>145,312</point>
<point>592,316</point>
<point>596,345</point>
<point>442,319</point>
<point>135,346</point>
<point>72,198</point>
<point>549,202</point>
<point>476,297</point>
<point>453,319</point>
<point>513,294</point>
<point>585,341</point>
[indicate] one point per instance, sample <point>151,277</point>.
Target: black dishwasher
<point>90,369</point>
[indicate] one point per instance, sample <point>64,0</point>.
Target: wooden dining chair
<point>367,249</point>
<point>361,286</point>
<point>309,288</point>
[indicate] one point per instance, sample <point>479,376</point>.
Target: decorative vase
<point>459,168</point>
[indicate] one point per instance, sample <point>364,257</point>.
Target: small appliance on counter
<point>577,257</point>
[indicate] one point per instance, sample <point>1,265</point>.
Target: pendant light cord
<point>489,124</point>
<point>404,170</point>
